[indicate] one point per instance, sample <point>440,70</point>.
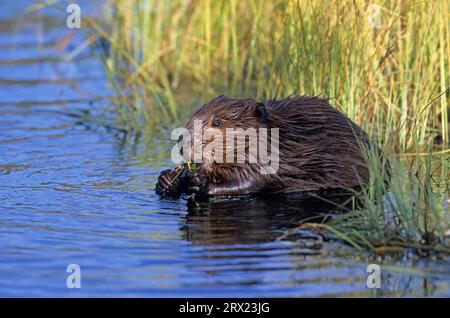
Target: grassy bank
<point>385,65</point>
<point>412,214</point>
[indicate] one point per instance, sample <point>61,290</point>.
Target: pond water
<point>73,192</point>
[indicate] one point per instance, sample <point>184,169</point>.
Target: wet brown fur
<point>319,147</point>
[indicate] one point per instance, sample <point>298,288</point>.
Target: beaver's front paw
<point>197,183</point>
<point>168,183</point>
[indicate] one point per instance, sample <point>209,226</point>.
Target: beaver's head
<point>218,117</point>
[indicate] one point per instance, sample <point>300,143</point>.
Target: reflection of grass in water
<point>167,56</point>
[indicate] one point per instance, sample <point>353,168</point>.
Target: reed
<point>385,64</point>
<point>411,211</point>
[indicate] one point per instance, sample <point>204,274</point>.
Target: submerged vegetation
<point>385,64</point>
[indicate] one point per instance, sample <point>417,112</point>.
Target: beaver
<point>319,149</point>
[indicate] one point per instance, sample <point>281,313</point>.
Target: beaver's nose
<point>185,151</point>
<point>187,155</point>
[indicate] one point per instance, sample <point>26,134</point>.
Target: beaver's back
<point>320,148</point>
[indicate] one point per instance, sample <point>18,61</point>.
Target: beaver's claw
<point>167,184</point>
<point>164,180</point>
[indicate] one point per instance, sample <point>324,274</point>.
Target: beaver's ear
<point>261,112</point>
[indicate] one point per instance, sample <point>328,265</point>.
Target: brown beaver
<point>319,149</point>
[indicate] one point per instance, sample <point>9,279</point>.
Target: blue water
<point>74,192</point>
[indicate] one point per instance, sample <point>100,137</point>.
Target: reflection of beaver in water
<point>231,221</point>
<point>319,149</point>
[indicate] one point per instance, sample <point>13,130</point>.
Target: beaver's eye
<point>216,124</point>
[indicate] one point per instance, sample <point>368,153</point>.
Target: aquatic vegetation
<point>386,65</point>
<point>410,212</point>
<point>383,65</point>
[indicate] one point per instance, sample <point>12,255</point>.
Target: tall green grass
<point>385,64</point>
<point>410,212</point>
<point>168,57</point>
